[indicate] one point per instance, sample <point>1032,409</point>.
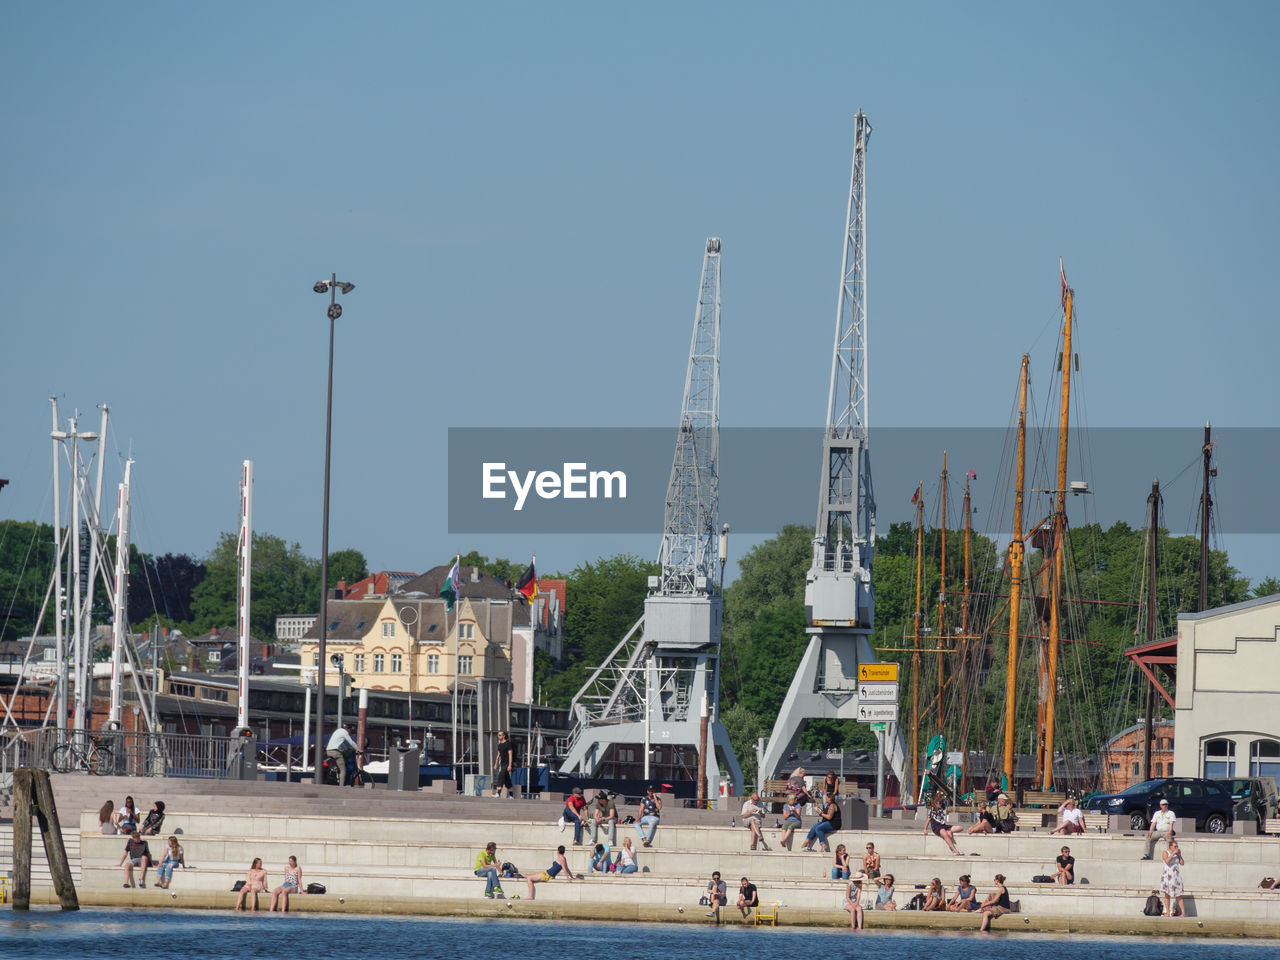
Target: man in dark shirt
<point>136,854</point>
<point>1066,867</point>
<point>503,761</point>
<point>748,898</point>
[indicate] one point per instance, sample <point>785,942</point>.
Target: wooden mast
<point>1153,540</point>
<point>1205,505</point>
<point>962,684</point>
<point>915,653</point>
<point>942,594</point>
<point>1059,535</point>
<point>1015,574</point>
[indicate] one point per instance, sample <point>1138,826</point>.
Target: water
<point>103,934</point>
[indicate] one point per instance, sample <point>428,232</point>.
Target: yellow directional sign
<point>877,673</point>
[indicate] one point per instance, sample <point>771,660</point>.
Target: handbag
<point>1042,878</point>
<point>316,888</point>
<point>238,886</point>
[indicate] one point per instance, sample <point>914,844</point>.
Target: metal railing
<point>108,753</point>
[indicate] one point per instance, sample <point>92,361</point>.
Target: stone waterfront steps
<point>343,825</point>
<point>450,857</point>
<point>610,893</point>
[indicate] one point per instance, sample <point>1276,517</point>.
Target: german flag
<point>528,583</point>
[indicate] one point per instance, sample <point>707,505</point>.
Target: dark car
<point>1257,793</point>
<point>1206,800</point>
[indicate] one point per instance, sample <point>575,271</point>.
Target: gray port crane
<point>663,677</point>
<point>838,596</point>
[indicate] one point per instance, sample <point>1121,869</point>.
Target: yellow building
<point>409,641</point>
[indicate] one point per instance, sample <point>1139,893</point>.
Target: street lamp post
<point>331,287</point>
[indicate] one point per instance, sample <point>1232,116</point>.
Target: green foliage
<point>26,559</point>
<point>1266,587</point>
<point>347,565</point>
<point>284,582</point>
<point>499,567</point>
<point>744,727</point>
<point>607,598</point>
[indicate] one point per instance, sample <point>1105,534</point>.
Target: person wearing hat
<point>1006,819</point>
<point>853,900</point>
<point>1162,821</point>
<point>604,817</point>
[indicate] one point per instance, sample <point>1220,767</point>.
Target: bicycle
<point>75,755</point>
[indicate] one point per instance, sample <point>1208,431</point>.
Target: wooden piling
<point>33,794</point>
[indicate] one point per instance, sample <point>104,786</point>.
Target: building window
<point>1264,759</point>
<point>1219,759</point>
<point>466,631</point>
<point>388,629</point>
<point>433,663</point>
<point>379,663</point>
<point>1135,768</point>
<point>315,659</point>
<point>464,666</point>
<point>395,663</point>
<point>359,658</point>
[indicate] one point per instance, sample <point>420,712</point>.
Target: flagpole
<point>454,738</point>
<point>528,694</point>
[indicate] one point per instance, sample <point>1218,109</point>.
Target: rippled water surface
<point>180,934</point>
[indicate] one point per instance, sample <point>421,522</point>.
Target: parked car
<point>1206,800</point>
<point>1258,793</point>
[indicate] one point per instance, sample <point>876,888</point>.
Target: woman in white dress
<point>1171,878</point>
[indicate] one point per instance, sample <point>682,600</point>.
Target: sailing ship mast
<point>942,595</point>
<point>1059,532</point>
<point>1015,573</point>
<point>915,640</point>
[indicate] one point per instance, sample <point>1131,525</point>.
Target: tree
<point>26,563</point>
<point>744,728</point>
<point>1266,587</point>
<point>348,566</point>
<point>284,581</point>
<point>498,568</point>
<point>162,586</point>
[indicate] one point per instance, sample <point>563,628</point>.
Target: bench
<point>1043,798</point>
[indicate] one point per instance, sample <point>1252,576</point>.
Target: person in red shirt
<point>574,805</point>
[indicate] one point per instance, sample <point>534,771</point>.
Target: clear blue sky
<point>521,193</point>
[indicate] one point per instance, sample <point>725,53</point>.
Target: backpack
<point>1154,907</point>
<point>509,869</point>
<point>316,888</point>
<point>916,902</point>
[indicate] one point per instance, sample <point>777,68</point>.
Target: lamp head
<point>346,287</point>
<point>322,286</point>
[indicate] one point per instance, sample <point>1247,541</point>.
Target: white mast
<point>120,604</point>
<point>243,591</point>
<point>59,598</point>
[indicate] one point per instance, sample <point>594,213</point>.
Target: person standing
<point>996,905</point>
<point>487,867</point>
<point>748,897</point>
<point>1066,867</point>
<point>1162,821</point>
<point>604,817</point>
<point>504,761</point>
<point>1171,878</point>
<point>650,816</point>
<point>574,805</point>
<point>753,820</point>
<point>717,896</point>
